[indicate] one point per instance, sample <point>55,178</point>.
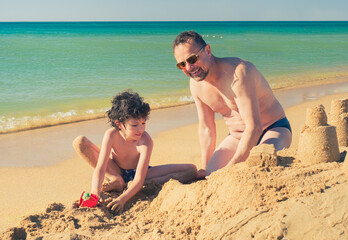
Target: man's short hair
<point>125,105</point>
<point>187,36</point>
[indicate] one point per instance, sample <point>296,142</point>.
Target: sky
<point>173,10</point>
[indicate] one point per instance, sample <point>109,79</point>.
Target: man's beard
<point>202,75</point>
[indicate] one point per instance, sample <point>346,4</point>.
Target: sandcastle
<point>263,155</point>
<point>345,163</point>
<point>318,140</point>
<point>338,117</point>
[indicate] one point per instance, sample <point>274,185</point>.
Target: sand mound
<point>241,202</point>
<point>273,195</point>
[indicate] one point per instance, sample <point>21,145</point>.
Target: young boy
<point>125,153</point>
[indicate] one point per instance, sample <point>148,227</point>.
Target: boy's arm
<point>139,178</point>
<point>103,159</point>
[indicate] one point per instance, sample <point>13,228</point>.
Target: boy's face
<point>133,128</point>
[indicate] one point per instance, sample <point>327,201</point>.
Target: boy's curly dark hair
<point>125,105</point>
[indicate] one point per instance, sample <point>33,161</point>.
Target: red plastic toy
<point>88,200</point>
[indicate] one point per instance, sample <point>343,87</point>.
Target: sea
<point>60,72</point>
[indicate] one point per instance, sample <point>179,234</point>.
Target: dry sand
<point>287,199</point>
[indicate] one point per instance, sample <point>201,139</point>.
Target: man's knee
<point>220,158</point>
<point>279,137</point>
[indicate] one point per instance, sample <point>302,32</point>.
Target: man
<point>234,88</point>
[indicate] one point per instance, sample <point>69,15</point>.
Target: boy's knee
<point>78,142</point>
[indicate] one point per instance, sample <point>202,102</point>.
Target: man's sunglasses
<point>191,60</point>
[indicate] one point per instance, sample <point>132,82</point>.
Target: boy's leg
<point>87,150</point>
<point>184,173</point>
<point>90,152</point>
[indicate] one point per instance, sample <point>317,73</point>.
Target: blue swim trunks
<point>128,174</point>
<point>280,123</point>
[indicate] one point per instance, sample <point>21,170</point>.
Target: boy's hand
<point>88,200</point>
<point>115,205</point>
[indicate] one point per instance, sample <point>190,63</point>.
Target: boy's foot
<point>114,185</point>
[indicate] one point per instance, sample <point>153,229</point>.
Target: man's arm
<point>245,88</point>
<point>206,132</point>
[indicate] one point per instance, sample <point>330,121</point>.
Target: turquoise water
<point>52,73</point>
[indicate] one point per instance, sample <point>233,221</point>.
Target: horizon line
<point>80,21</point>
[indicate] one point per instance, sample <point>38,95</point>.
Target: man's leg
<point>280,137</point>
<point>90,152</point>
<point>223,154</point>
<point>184,173</point>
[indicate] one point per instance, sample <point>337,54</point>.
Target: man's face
<point>196,69</point>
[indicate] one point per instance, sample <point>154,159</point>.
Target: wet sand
<point>51,145</point>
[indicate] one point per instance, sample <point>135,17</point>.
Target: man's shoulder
<point>245,67</point>
<point>235,63</point>
<point>232,60</point>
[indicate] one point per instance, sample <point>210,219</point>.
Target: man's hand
<point>115,205</point>
<point>201,174</point>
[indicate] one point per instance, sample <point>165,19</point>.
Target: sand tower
<point>318,140</point>
<point>263,155</point>
<point>339,118</point>
<point>345,165</point>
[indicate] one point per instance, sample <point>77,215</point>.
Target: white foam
<point>186,99</point>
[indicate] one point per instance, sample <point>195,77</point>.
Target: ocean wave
<point>10,124</point>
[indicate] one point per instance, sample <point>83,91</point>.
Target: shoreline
<point>50,121</point>
<point>33,147</point>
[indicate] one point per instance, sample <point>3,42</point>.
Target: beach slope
<point>290,199</point>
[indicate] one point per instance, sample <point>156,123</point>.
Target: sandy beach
<point>40,179</point>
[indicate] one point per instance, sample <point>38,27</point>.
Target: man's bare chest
<point>219,101</point>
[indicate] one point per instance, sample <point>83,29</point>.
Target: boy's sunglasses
<point>191,60</point>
